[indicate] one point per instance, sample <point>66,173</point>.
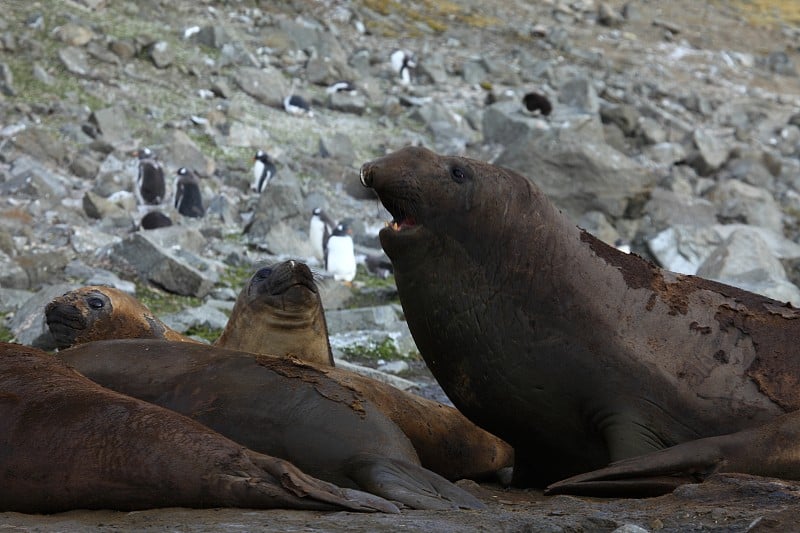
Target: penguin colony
<point>331,241</point>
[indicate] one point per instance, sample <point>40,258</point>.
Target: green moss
<point>5,334</point>
<point>163,303</point>
<point>236,276</point>
<point>385,350</point>
<point>204,332</point>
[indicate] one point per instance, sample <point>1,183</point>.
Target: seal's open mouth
<point>403,217</point>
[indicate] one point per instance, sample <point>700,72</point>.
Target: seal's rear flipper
<point>652,474</point>
<point>409,484</point>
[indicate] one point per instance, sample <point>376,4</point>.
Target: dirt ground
<point>750,504</point>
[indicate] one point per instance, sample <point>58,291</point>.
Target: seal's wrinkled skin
<point>279,309</point>
<point>573,352</point>
<point>277,406</point>
<point>68,443</point>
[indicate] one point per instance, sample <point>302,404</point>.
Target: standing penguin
<point>403,63</point>
<point>188,200</point>
<point>319,231</point>
<point>263,171</point>
<point>340,258</point>
<point>150,186</point>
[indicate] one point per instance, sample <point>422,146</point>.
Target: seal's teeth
<point>363,177</point>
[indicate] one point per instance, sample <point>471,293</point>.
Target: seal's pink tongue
<point>407,222</point>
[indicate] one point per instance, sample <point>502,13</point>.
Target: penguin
<point>537,103</point>
<point>341,87</point>
<point>403,62</point>
<point>150,186</point>
<point>297,105</point>
<point>263,171</point>
<point>188,200</point>
<point>319,230</point>
<point>154,219</point>
<point>340,258</point>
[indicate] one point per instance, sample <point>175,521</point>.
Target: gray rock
<point>112,122</point>
<point>779,246</point>
<point>98,276</point>
<point>169,269</point>
<point>578,174</point>
<point>447,129</point>
<point>43,146</point>
<point>161,54</point>
<point>97,207</point>
<point>179,150</point>
<point>28,324</point>
<point>394,381</point>
<point>206,316</point>
<point>394,367</point>
<point>668,208</point>
<point>740,202</point>
<point>29,178</point>
<point>12,299</point>
<point>712,152</point>
<point>650,131</point>
<point>348,102</point>
<point>665,153</point>
<point>283,204</point>
<point>607,16</point>
<point>383,317</point>
<point>123,48</point>
<point>339,147</point>
<point>84,166</point>
<point>267,86</point>
<point>285,241</point>
<point>41,75</point>
<point>433,68</point>
<point>12,276</point>
<point>745,261</point>
<point>6,80</point>
<point>179,237</point>
<point>779,62</point>
<point>474,71</point>
<point>624,116</point>
<point>683,248</point>
<point>213,36</point>
<point>75,61</point>
<point>580,94</point>
<point>504,124</point>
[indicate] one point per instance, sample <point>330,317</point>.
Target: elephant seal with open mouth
<point>575,353</point>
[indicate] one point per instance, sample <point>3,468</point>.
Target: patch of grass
<point>163,303</point>
<point>204,332</point>
<point>385,350</point>
<point>769,12</point>
<point>236,276</point>
<point>5,334</point>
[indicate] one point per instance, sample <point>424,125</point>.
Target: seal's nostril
<point>366,180</point>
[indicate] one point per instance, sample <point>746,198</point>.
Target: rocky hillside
<point>673,127</point>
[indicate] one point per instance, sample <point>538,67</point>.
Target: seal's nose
<point>366,175</point>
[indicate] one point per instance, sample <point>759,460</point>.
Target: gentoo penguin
<point>319,230</point>
<point>297,105</point>
<point>263,171</point>
<point>535,102</point>
<point>340,258</point>
<point>340,87</point>
<point>188,200</point>
<point>155,219</point>
<point>403,62</point>
<point>150,186</point>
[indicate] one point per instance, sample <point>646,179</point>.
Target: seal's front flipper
<point>302,490</point>
<point>409,484</point>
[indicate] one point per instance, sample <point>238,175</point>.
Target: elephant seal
<point>276,406</point>
<point>445,440</point>
<point>68,443</point>
<point>95,312</point>
<point>280,309</point>
<point>575,353</point>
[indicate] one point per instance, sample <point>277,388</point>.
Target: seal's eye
<point>458,174</point>
<point>263,273</point>
<point>95,303</point>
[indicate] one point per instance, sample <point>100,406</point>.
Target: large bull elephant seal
<point>573,352</point>
<point>280,309</point>
<point>68,443</point>
<point>445,440</point>
<point>276,406</point>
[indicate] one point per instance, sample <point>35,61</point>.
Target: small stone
<point>161,54</point>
